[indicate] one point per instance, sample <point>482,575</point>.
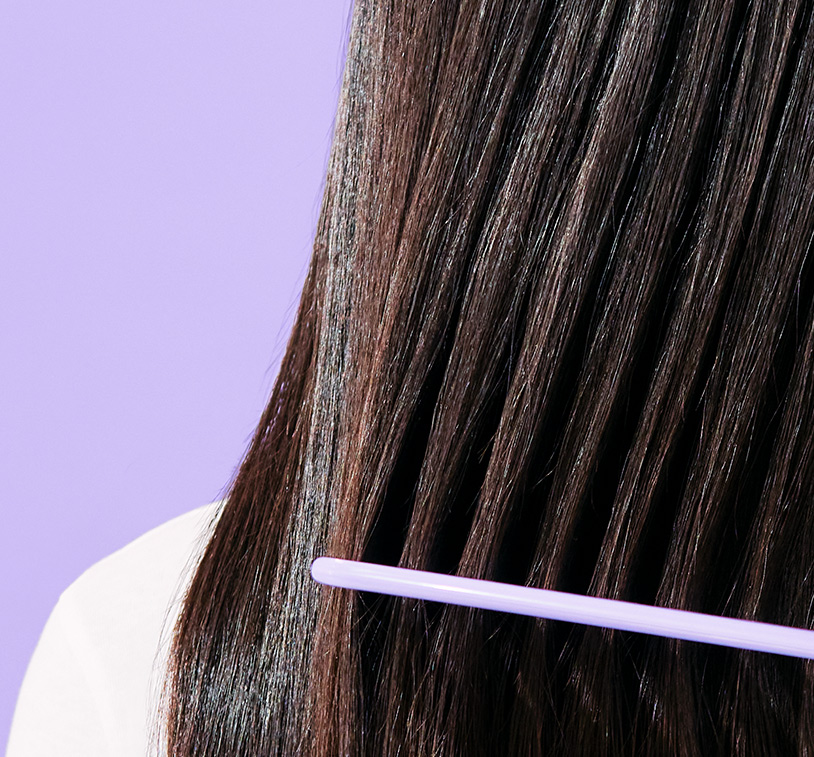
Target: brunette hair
<point>557,330</point>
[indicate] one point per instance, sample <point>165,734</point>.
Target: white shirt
<point>92,684</point>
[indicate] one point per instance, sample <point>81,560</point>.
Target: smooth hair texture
<point>558,331</point>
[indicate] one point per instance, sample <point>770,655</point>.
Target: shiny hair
<point>557,330</point>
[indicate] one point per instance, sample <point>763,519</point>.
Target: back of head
<point>558,331</point>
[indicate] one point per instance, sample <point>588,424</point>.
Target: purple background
<point>161,174</point>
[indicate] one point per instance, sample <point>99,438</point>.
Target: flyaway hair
<point>558,331</point>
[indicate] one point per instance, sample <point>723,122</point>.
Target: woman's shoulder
<point>157,562</point>
<point>93,680</point>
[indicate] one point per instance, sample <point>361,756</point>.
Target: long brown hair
<point>557,330</point>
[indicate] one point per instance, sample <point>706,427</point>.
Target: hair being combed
<point>557,330</point>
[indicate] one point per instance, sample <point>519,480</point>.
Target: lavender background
<point>161,174</point>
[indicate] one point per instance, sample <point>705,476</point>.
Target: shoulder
<point>98,663</point>
<point>120,611</point>
<point>151,568</point>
